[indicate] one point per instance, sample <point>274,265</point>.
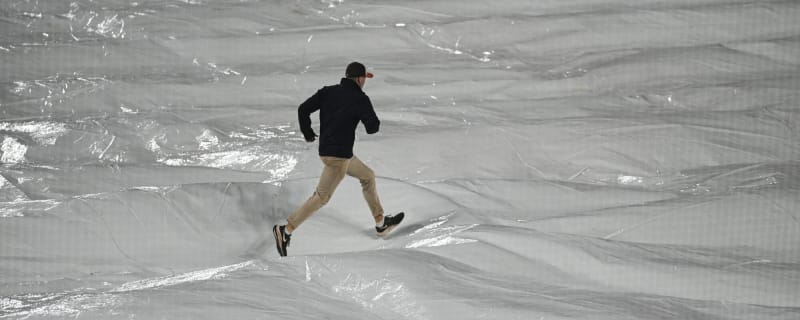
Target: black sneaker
<point>389,222</point>
<point>281,239</point>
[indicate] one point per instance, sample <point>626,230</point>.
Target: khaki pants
<point>333,173</point>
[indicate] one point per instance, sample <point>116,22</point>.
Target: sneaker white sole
<point>388,229</point>
<point>278,240</point>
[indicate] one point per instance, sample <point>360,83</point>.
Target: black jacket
<point>340,107</point>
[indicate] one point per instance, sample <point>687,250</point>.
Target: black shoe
<point>281,239</point>
<point>389,222</point>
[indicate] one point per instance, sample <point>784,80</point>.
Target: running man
<point>341,107</point>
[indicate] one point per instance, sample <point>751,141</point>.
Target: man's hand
<point>310,135</point>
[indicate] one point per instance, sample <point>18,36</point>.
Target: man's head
<point>358,73</point>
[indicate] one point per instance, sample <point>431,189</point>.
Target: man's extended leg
<point>333,173</point>
<point>366,176</point>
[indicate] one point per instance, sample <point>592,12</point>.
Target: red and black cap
<point>356,69</point>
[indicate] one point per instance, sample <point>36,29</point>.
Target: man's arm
<point>369,118</point>
<point>304,112</point>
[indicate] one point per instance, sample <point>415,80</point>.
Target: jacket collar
<point>350,83</point>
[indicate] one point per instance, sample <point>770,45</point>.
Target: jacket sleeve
<point>369,118</point>
<point>311,105</point>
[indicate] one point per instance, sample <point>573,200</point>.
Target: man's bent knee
<point>367,178</point>
<point>323,197</point>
